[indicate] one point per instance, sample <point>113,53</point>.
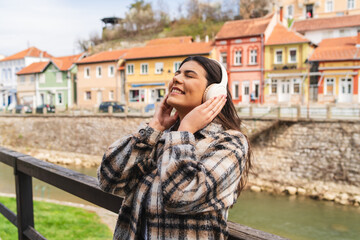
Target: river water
<point>294,217</point>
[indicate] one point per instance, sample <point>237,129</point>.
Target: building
<point>306,9</point>
<point>286,71</point>
<point>52,82</point>
<point>149,69</point>
<point>333,27</point>
<point>10,65</point>
<point>240,47</point>
<point>338,61</point>
<point>100,79</point>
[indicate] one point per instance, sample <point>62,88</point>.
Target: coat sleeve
<point>191,183</point>
<point>127,160</point>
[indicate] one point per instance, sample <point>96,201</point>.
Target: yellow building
<point>304,9</point>
<point>286,73</point>
<point>149,69</point>
<point>338,61</point>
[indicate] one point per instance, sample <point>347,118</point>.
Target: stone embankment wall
<point>74,140</point>
<point>319,159</point>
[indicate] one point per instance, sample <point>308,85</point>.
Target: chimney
<point>41,56</point>
<point>207,38</point>
<point>358,39</point>
<point>281,14</point>
<point>197,39</point>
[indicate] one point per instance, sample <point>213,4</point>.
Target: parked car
<point>49,108</point>
<point>26,108</point>
<point>117,107</point>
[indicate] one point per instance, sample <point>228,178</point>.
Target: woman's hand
<point>162,118</point>
<point>202,115</point>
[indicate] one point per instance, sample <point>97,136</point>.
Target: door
<point>99,97</point>
<point>284,93</point>
<point>245,92</point>
<point>345,95</point>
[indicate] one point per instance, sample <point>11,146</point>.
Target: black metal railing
<point>85,187</point>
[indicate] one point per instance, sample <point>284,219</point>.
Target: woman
<point>180,173</point>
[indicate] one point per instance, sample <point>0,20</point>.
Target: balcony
<point>288,66</point>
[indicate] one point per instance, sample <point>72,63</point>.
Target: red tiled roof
<point>64,63</point>
<point>30,52</point>
<point>169,50</point>
<point>243,28</point>
<point>282,35</point>
<point>170,40</point>
<point>333,49</point>
<point>106,56</point>
<point>326,23</point>
<point>36,67</point>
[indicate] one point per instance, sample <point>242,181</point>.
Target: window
<point>22,79</point>
<point>246,89</point>
<point>111,71</point>
<point>159,67</point>
<point>137,95</point>
<point>111,95</point>
<point>9,73</point>
<point>296,86</point>
<point>309,11</point>
<point>235,90</point>
<point>329,86</point>
<point>144,68</point>
<point>350,4</point>
<point>329,6</point>
<point>58,77</point>
<point>256,89</point>
<point>176,66</point>
<point>32,78</point>
<point>292,56</point>
<point>223,58</point>
<point>98,72</point>
<point>278,56</point>
<point>253,56</point>
<point>42,78</point>
<point>290,11</point>
<point>237,59</point>
<point>273,86</point>
<point>87,72</point>
<point>60,98</point>
<point>87,95</point>
<point>130,69</point>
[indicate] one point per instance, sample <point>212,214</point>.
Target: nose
<point>177,79</point>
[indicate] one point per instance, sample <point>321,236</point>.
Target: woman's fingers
<point>218,107</point>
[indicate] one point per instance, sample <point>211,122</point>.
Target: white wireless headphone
<point>217,89</point>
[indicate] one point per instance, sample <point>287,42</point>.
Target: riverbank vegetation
<point>57,222</point>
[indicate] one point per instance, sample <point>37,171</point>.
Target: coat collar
<point>209,129</point>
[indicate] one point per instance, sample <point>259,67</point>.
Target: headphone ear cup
<point>214,90</point>
<point>205,97</point>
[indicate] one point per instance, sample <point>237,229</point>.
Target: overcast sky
<point>55,25</point>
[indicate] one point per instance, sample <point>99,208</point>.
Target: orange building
<point>99,79</point>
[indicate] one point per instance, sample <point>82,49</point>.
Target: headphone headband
<point>224,77</point>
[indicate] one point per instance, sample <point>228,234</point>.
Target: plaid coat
<point>176,185</point>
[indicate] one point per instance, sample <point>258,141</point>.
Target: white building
<point>317,29</point>
<point>9,66</point>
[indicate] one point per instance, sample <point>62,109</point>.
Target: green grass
<point>57,222</point>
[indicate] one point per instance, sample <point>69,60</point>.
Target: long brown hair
<point>228,117</point>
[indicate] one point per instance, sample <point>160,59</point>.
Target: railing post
<point>278,112</point>
<point>298,111</point>
<point>24,201</point>
<point>250,110</point>
<point>328,111</point>
<point>110,110</point>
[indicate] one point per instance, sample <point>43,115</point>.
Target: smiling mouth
<point>177,90</point>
